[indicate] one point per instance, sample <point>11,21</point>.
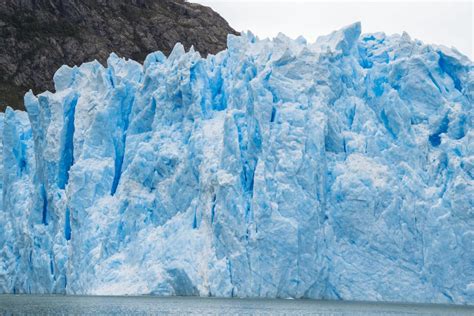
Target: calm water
<point>145,305</point>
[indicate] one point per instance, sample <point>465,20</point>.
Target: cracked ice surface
<point>340,169</point>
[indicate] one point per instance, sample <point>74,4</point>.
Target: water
<point>146,305</point>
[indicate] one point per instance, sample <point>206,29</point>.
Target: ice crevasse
<point>340,169</point>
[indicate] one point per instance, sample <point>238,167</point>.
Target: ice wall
<point>340,169</point>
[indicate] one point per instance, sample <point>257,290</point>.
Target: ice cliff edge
<point>340,169</point>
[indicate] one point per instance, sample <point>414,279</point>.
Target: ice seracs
<point>340,169</point>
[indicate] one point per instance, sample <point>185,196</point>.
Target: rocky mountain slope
<point>38,36</point>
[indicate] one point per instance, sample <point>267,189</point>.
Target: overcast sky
<point>448,23</point>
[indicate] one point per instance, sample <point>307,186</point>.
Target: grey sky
<point>448,23</point>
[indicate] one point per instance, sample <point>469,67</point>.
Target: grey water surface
<point>151,305</point>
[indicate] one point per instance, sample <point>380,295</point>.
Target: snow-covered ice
<point>340,169</point>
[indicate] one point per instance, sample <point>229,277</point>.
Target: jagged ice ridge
<point>340,169</point>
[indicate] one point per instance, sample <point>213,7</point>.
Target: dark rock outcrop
<point>38,36</point>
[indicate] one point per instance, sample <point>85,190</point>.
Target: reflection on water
<point>145,305</point>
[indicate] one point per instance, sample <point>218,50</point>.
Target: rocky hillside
<point>38,36</point>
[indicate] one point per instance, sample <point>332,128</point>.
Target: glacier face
<point>340,169</point>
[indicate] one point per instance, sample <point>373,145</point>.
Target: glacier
<point>339,169</point>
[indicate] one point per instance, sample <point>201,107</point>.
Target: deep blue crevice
<point>119,143</point>
<point>67,154</point>
<point>364,61</point>
<point>386,123</point>
<point>459,132</point>
<point>118,162</point>
<point>443,162</point>
<point>435,138</point>
<point>19,150</point>
<point>22,165</point>
<point>444,171</point>
<point>197,71</point>
<point>379,86</point>
<point>51,265</point>
<point>248,181</point>
<point>449,297</point>
<point>272,118</point>
<point>20,158</point>
<point>368,38</point>
<point>229,269</point>
<point>111,77</point>
<point>213,208</point>
<point>450,68</point>
<point>266,84</point>
<point>252,161</point>
<point>351,115</point>
<point>332,141</point>
<point>250,147</point>
<point>435,82</point>
<point>248,210</point>
<point>251,178</point>
<point>257,139</point>
<point>195,220</point>
<point>67,225</point>
<point>121,231</point>
<point>335,293</point>
<point>219,101</point>
<point>44,197</point>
